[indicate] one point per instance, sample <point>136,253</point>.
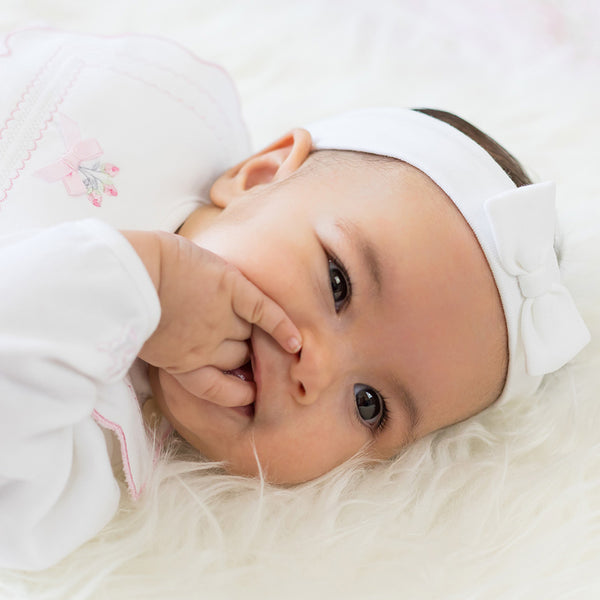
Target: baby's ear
<point>274,163</point>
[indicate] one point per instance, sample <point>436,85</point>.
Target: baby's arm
<point>77,306</point>
<point>69,294</point>
<point>208,309</point>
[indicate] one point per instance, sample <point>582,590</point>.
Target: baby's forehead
<point>352,171</point>
<point>353,159</point>
<point>338,169</point>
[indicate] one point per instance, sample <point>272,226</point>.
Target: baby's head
<point>424,283</point>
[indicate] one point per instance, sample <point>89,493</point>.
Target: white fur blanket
<point>506,505</point>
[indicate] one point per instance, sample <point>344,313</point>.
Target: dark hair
<point>510,165</point>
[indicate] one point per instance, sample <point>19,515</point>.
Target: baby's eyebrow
<point>367,251</point>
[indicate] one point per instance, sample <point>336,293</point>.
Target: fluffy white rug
<point>506,505</point>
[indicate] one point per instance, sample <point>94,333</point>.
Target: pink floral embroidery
<point>97,181</point>
<point>95,198</point>
<point>78,178</point>
<point>110,189</point>
<point>110,169</point>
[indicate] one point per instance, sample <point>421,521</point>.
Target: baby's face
<point>402,326</point>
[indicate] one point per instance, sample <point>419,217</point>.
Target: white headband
<point>515,227</point>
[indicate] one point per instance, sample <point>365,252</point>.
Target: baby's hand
<point>208,309</point>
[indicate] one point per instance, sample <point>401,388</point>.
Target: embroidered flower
<point>110,169</point>
<point>110,189</point>
<point>95,199</point>
<point>97,182</point>
<point>78,178</point>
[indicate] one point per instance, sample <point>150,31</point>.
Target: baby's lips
<point>244,372</point>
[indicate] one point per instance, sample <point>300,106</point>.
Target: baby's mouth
<point>244,372</point>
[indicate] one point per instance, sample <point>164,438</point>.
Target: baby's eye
<point>340,284</point>
<point>369,404</point>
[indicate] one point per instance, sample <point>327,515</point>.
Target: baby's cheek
<point>295,456</point>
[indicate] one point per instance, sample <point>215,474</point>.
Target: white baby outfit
<point>98,134</point>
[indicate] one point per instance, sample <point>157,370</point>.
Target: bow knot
<point>523,225</point>
<point>78,151</point>
<point>541,280</point>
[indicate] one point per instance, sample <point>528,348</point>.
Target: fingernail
<point>294,344</point>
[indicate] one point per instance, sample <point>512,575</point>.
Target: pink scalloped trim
<point>159,38</point>
<point>41,132</point>
<point>118,430</point>
<point>25,93</point>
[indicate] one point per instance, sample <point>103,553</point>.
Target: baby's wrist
<point>147,245</point>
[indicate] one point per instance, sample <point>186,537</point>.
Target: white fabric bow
<point>523,224</point>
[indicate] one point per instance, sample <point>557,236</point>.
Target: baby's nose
<point>314,370</point>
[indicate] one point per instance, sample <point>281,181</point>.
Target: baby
<point>358,284</point>
<point>425,287</point>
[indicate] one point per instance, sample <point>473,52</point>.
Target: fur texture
<point>505,505</point>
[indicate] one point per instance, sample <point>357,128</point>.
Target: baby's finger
<point>214,386</point>
<point>252,305</point>
<point>239,329</point>
<point>230,354</point>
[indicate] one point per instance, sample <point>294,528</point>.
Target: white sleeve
<point>66,294</point>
